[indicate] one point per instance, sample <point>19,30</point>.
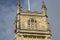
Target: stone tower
<point>32,25</point>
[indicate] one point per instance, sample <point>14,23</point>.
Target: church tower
<point>32,25</point>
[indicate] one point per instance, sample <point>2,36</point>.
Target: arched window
<point>32,24</point>
<point>32,20</point>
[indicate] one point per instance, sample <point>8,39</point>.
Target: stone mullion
<point>30,23</point>
<point>22,37</point>
<point>34,24</point>
<point>36,38</point>
<point>46,38</point>
<point>32,38</point>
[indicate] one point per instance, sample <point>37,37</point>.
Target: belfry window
<point>32,24</point>
<point>32,20</point>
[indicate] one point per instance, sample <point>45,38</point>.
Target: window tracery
<point>32,23</point>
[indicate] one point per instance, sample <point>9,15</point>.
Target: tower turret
<point>17,20</point>
<point>18,7</point>
<point>44,9</point>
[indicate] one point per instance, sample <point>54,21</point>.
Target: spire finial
<point>43,4</point>
<point>44,9</point>
<point>18,6</point>
<point>18,2</point>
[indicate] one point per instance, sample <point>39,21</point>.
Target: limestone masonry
<point>32,25</point>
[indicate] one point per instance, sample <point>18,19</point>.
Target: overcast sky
<point>8,13</point>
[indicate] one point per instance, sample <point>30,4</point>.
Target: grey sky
<point>8,13</point>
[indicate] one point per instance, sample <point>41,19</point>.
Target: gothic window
<point>32,24</point>
<point>32,20</point>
